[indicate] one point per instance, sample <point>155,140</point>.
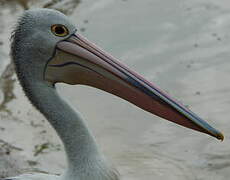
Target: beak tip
<point>220,136</point>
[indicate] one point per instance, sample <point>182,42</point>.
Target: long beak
<point>78,61</point>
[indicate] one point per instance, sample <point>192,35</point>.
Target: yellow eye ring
<point>59,30</point>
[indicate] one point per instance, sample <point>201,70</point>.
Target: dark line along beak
<point>81,62</point>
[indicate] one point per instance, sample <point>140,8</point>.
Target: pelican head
<point>47,49</point>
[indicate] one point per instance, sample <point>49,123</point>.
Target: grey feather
<point>32,46</point>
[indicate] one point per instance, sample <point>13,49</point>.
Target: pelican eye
<point>59,30</point>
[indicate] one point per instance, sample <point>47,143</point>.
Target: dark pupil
<point>59,30</point>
